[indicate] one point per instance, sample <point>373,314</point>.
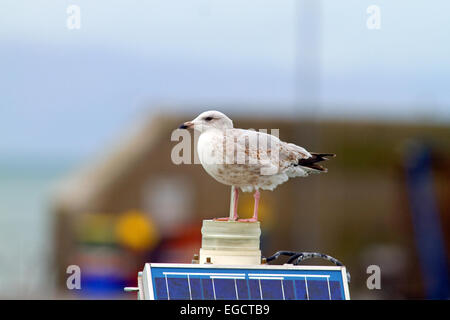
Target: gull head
<point>209,120</point>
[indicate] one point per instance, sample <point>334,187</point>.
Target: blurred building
<point>134,205</point>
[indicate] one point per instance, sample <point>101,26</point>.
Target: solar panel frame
<point>250,273</point>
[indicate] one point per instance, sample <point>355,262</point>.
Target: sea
<point>27,185</point>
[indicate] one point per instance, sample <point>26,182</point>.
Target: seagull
<point>248,159</point>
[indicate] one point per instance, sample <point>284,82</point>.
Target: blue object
<point>265,282</point>
<point>426,223</point>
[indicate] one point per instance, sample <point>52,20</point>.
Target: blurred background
<point>86,116</point>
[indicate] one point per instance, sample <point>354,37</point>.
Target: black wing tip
<point>311,162</point>
<point>317,167</point>
<point>323,156</point>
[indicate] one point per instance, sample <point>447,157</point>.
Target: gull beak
<point>187,125</point>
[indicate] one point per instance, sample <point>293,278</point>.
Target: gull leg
<point>236,197</point>
<point>255,209</point>
<point>233,206</point>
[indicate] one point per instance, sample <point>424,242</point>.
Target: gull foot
<point>248,220</point>
<point>223,219</point>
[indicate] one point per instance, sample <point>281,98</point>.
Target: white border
<point>148,283</point>
<point>226,266</point>
<point>345,280</point>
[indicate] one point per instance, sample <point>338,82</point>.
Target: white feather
<point>238,157</point>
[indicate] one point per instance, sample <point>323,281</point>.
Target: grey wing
<point>265,152</point>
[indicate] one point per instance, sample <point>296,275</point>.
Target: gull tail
<point>311,162</point>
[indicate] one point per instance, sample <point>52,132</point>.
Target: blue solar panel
<point>266,282</point>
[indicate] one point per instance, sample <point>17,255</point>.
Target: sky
<point>69,92</point>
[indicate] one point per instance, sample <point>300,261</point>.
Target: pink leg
<point>255,210</point>
<point>236,197</point>
<point>235,214</point>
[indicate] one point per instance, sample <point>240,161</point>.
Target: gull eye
<point>209,118</point>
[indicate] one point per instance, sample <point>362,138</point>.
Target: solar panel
<point>224,282</point>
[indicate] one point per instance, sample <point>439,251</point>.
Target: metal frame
<point>148,283</point>
<point>345,281</point>
<point>140,294</point>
